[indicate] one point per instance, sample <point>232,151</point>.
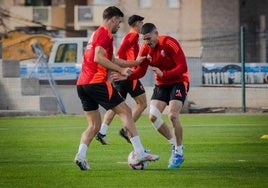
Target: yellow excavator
<point>17,45</point>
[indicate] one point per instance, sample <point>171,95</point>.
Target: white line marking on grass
<point>211,125</point>
<point>119,162</point>
<point>241,160</point>
<point>223,125</point>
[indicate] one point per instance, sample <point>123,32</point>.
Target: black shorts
<point>133,87</point>
<point>93,95</point>
<point>167,93</point>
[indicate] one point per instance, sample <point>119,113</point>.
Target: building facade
<point>207,29</point>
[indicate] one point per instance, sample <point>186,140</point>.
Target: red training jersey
<point>168,56</point>
<point>91,71</point>
<point>129,47</point>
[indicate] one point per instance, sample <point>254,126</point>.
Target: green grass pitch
<point>220,151</point>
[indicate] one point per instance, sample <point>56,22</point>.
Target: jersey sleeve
<point>102,39</point>
<point>141,69</point>
<point>178,57</point>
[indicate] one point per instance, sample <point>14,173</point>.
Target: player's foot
<point>175,159</point>
<point>147,156</point>
<point>81,162</point>
<point>101,138</point>
<point>123,133</point>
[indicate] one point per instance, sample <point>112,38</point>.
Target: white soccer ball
<point>135,163</point>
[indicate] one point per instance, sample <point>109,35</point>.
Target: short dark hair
<point>147,28</point>
<point>134,18</point>
<point>112,11</point>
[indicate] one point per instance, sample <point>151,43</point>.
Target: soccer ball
<point>134,163</point>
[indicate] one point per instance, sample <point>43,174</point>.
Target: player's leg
<point>94,122</point>
<point>176,158</point>
<point>137,92</point>
<point>107,119</point>
<point>90,108</point>
<point>177,97</point>
<point>141,104</point>
<point>117,104</point>
<point>155,116</point>
<point>175,107</point>
<point>109,115</point>
<point>125,114</point>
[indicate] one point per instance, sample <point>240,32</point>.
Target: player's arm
<point>128,63</point>
<point>139,72</point>
<point>181,67</point>
<point>100,58</point>
<point>141,69</point>
<point>176,55</point>
<point>173,73</point>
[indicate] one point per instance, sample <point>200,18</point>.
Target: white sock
<point>82,150</point>
<point>179,149</point>
<point>172,141</point>
<point>103,129</point>
<point>136,143</point>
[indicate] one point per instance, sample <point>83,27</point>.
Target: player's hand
<point>140,59</point>
<point>126,71</point>
<point>115,76</point>
<point>157,71</point>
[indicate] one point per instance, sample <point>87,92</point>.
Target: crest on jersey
<point>163,54</point>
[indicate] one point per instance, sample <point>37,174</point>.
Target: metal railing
<point>43,63</point>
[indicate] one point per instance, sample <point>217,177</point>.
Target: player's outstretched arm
<point>128,63</point>
<point>100,58</point>
<point>115,76</point>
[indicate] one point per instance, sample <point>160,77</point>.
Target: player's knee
<point>125,112</point>
<point>158,123</point>
<point>128,111</point>
<point>154,113</point>
<point>173,117</point>
<point>155,117</point>
<point>152,118</point>
<point>95,129</point>
<point>142,106</point>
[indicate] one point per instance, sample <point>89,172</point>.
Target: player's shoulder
<point>170,43</point>
<point>132,35</point>
<point>144,47</point>
<point>167,39</point>
<point>103,31</point>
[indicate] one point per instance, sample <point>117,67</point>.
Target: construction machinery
<point>17,45</point>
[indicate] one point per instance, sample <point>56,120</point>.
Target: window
<point>105,2</point>
<point>173,3</point>
<point>85,14</point>
<point>145,3</point>
<point>84,46</point>
<point>40,14</point>
<point>37,2</point>
<point>66,53</point>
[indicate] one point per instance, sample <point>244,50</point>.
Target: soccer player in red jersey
<point>128,50</point>
<point>94,89</point>
<point>167,61</point>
